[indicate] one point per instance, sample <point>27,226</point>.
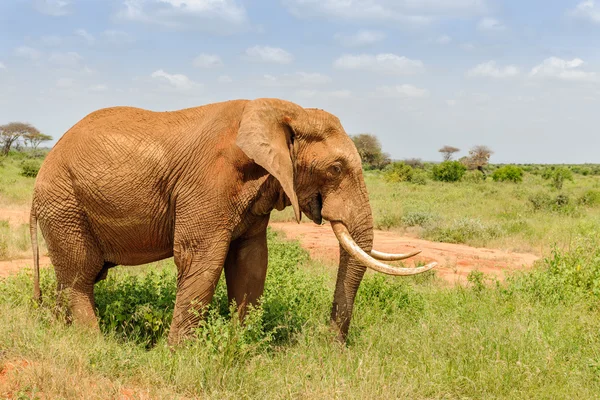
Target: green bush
<point>418,218</point>
<point>30,168</point>
<point>567,275</point>
<point>473,177</point>
<point>448,171</point>
<point>590,198</point>
<point>419,177</point>
<point>464,230</point>
<point>557,176</point>
<point>398,172</point>
<point>508,173</point>
<point>561,203</point>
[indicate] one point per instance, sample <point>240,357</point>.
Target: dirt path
<point>455,260</point>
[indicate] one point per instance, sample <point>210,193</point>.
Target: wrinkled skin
<point>126,186</point>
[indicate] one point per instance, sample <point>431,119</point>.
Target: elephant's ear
<point>266,136</point>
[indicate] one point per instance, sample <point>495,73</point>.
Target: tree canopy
<point>369,149</point>
<point>448,152</point>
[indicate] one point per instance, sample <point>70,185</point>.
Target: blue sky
<point>522,77</point>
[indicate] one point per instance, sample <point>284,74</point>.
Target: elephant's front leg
<point>199,266</point>
<point>246,267</point>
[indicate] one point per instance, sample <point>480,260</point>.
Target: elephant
<point>129,186</point>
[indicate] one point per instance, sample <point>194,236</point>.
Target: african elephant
<point>127,186</point>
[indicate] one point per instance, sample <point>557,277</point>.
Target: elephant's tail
<point>37,293</point>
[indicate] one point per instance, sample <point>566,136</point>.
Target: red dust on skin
<point>455,261</point>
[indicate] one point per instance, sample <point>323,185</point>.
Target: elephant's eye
<point>334,171</point>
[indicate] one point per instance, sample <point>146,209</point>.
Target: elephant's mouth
<point>314,207</point>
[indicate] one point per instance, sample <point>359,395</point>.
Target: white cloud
<point>587,10</point>
<point>361,38</point>
<point>468,46</point>
<point>99,88</point>
<point>413,12</point>
<point>211,15</point>
<point>176,81</point>
<point>387,63</point>
<point>557,68</point>
<point>443,39</point>
<point>451,102</point>
<point>224,79</point>
<point>490,24</point>
<point>28,52</point>
<point>207,61</point>
<point>492,70</point>
<point>82,33</point>
<point>269,55</point>
<point>404,90</point>
<point>65,83</point>
<point>56,8</point>
<point>2,66</point>
<point>296,79</point>
<point>67,60</point>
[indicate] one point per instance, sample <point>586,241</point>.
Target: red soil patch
<point>15,216</point>
<point>455,260</point>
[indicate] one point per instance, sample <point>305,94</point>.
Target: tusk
<point>378,255</point>
<point>345,239</point>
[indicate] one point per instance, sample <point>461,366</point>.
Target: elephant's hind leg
<point>77,262</point>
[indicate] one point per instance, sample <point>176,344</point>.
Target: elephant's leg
<point>76,257</point>
<point>246,269</point>
<point>77,263</point>
<point>199,267</point>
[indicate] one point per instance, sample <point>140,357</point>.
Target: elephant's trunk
<point>356,254</point>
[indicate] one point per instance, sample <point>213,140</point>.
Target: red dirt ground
<point>455,260</point>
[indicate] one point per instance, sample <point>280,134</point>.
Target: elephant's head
<point>318,167</point>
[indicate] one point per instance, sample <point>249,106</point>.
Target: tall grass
<point>535,336</point>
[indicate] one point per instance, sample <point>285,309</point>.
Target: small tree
<point>369,149</point>
<point>479,158</point>
<point>34,139</point>
<point>10,133</point>
<point>448,171</point>
<point>448,152</point>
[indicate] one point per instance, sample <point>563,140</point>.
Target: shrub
<point>419,177</point>
<point>398,172</point>
<point>557,176</point>
<point>473,177</point>
<point>561,203</point>
<point>464,230</point>
<point>566,276</point>
<point>30,168</point>
<point>448,171</point>
<point>387,221</point>
<point>508,173</point>
<point>590,198</point>
<point>418,218</point>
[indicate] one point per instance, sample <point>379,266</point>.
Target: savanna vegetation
<point>535,335</point>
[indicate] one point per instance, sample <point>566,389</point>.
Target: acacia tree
<point>448,152</point>
<point>34,139</point>
<point>370,152</point>
<point>11,132</point>
<point>479,158</point>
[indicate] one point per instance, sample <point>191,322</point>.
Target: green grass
<point>535,336</point>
